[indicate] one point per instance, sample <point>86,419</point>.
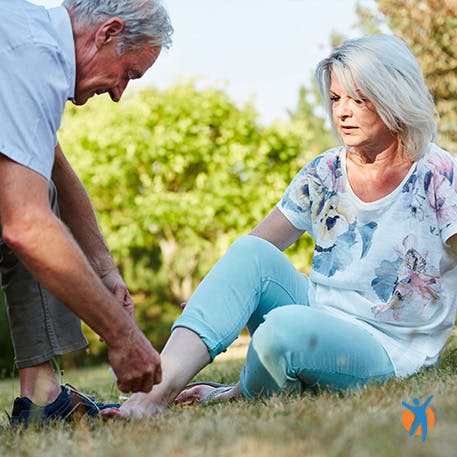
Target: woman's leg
<point>183,356</point>
<point>251,279</point>
<point>301,347</point>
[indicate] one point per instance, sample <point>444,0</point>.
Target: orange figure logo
<point>418,419</point>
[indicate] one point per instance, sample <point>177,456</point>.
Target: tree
<point>430,29</point>
<point>175,176</point>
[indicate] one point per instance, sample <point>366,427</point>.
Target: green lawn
<point>366,422</point>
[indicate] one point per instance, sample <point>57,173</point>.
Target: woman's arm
<point>276,229</point>
<point>452,242</point>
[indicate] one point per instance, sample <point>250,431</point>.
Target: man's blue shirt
<point>37,76</point>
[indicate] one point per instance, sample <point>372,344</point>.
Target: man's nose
<point>116,92</point>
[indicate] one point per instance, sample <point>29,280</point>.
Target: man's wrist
<point>103,265</point>
<point>123,333</point>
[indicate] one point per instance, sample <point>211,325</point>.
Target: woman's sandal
<point>218,389</point>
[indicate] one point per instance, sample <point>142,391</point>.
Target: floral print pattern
<point>389,250</point>
<point>406,280</point>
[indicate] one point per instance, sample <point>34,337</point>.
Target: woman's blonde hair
<point>383,69</point>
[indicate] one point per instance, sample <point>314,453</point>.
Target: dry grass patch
<point>366,422</point>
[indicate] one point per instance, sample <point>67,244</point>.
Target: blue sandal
<point>71,404</point>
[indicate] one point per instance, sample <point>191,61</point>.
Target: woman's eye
<point>361,101</point>
<point>334,99</point>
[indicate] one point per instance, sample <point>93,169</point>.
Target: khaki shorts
<point>41,326</point>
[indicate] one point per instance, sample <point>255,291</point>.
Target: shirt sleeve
<point>444,198</point>
<point>33,88</point>
<point>295,203</point>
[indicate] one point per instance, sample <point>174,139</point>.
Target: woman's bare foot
<point>182,358</point>
<point>137,406</point>
<point>204,393</point>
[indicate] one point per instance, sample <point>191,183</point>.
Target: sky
<point>259,51</point>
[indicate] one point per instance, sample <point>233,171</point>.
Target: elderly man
<point>53,259</point>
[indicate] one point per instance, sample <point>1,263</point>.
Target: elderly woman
<point>380,301</point>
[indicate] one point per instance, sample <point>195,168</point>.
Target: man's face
<point>106,71</point>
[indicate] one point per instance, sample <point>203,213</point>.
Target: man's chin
<point>81,99</point>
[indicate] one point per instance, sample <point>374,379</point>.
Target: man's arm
<point>48,250</point>
<point>77,213</point>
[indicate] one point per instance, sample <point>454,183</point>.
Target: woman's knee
<point>250,246</point>
<point>277,337</point>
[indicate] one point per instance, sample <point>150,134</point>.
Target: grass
<point>366,422</point>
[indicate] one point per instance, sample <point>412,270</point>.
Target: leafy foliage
<point>175,176</point>
<point>430,29</point>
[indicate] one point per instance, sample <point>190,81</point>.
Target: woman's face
<point>358,122</point>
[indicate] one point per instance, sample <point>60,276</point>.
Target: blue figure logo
<point>418,419</point>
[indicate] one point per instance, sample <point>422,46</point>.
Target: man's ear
<point>108,30</point>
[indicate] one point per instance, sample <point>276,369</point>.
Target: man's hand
<point>51,254</point>
<point>135,362</point>
<point>115,284</point>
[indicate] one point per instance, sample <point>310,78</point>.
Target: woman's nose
<point>343,110</point>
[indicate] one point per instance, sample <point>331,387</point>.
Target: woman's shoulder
<point>437,166</point>
<point>332,153</point>
<point>436,159</point>
<point>326,159</point>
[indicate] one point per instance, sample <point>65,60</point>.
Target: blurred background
<point>201,149</point>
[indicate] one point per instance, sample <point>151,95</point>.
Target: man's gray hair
<point>146,22</point>
<point>382,69</point>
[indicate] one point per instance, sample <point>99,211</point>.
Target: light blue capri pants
<point>293,346</point>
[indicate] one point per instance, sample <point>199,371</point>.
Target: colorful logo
<point>418,419</point>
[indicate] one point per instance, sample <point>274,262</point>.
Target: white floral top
<point>384,265</point>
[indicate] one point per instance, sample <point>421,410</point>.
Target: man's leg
<point>41,326</point>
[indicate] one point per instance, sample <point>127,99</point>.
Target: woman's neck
<point>379,157</point>
<point>374,174</point>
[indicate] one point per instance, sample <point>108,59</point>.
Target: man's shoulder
<point>24,24</point>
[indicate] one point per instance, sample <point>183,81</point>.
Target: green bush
<point>175,177</point>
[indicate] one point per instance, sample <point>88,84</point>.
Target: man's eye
<point>333,98</point>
